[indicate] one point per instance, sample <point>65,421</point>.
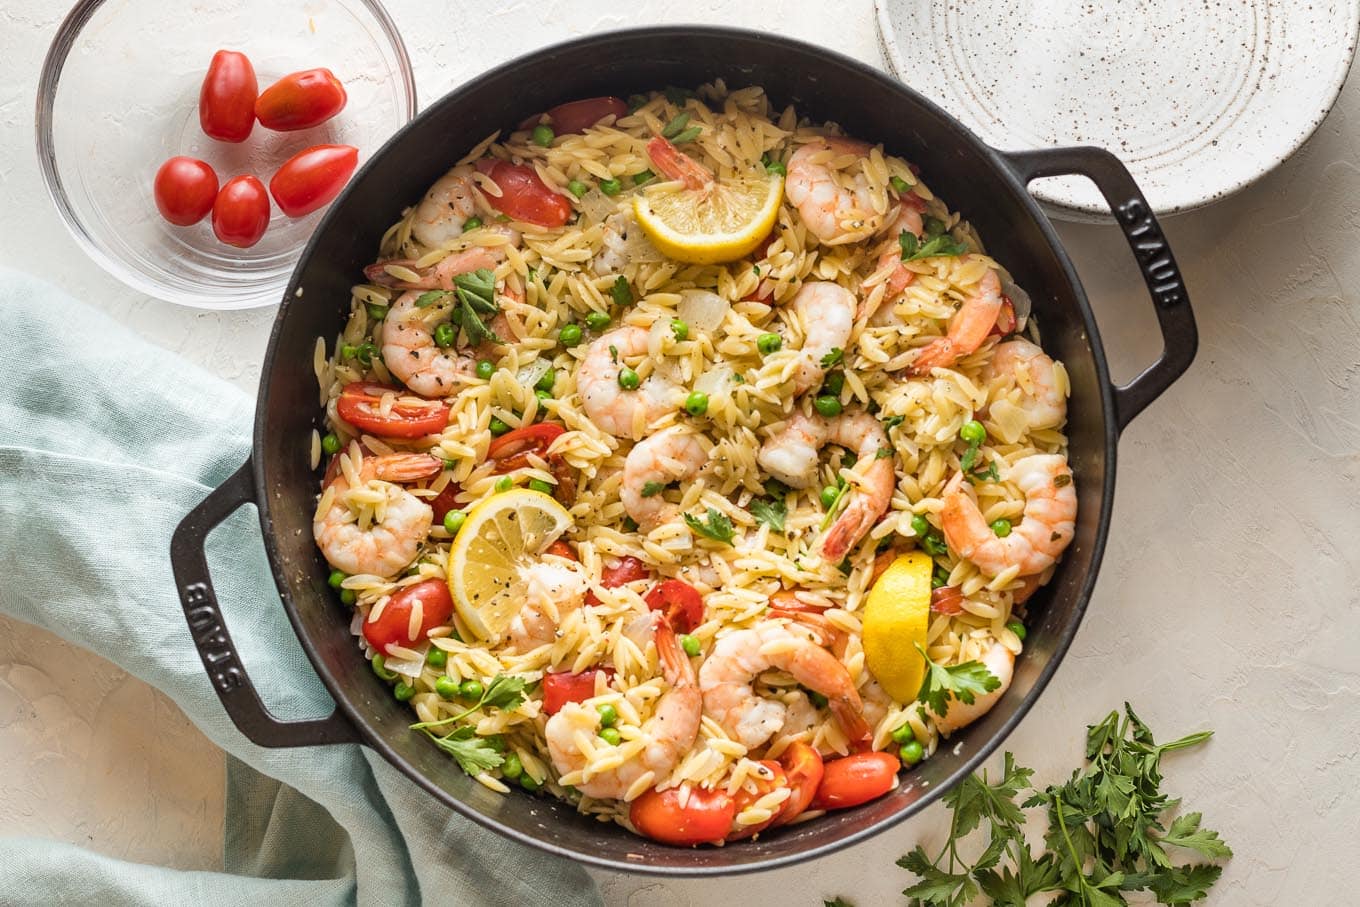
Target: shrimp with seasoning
<point>1034,544</point>
<point>399,528</point>
<point>442,213</point>
<point>609,405</point>
<point>791,456</point>
<point>967,329</point>
<point>998,660</point>
<point>669,733</point>
<point>411,354</point>
<point>672,455</point>
<point>1030,368</point>
<point>827,311</point>
<point>728,675</point>
<point>551,592</point>
<point>440,275</point>
<point>834,214</point>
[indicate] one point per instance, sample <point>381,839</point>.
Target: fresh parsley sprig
<point>914,249</point>
<point>472,753</point>
<point>474,298</point>
<point>963,682</point>
<point>770,511</point>
<point>1105,832</point>
<point>715,525</point>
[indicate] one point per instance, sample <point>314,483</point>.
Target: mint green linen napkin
<point>105,443</point>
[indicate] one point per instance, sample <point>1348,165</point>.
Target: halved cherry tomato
<point>1005,319</point>
<point>185,190</point>
<point>578,116</point>
<point>705,817</point>
<point>947,600</point>
<point>561,687</point>
<point>300,100</point>
<point>523,195</point>
<point>803,770</point>
<point>625,570</point>
<point>240,213</point>
<point>226,102</point>
<point>358,405</point>
<point>560,548</point>
<point>856,779</point>
<point>744,798</point>
<point>511,450</point>
<point>680,602</point>
<point>394,623</point>
<point>312,178</point>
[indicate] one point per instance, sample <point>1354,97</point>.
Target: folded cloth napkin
<point>144,436</point>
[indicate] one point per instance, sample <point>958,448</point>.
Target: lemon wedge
<point>896,614</point>
<point>501,536</point>
<point>720,223</point>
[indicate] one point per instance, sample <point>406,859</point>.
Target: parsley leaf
<point>715,525</point>
<point>504,692</point>
<point>833,358</point>
<point>961,681</point>
<point>651,489</point>
<point>1185,832</point>
<point>430,297</point>
<point>476,293</point>
<point>621,293</point>
<point>942,245</point>
<point>771,512</point>
<point>892,422</point>
<point>473,754</point>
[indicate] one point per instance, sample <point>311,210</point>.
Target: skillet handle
<point>210,635</point>
<point>1131,211</point>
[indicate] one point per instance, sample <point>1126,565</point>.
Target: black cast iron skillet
<point>986,185</point>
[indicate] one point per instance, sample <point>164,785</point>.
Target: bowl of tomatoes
<point>192,154</point>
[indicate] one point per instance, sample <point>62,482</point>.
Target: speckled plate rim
<point>1065,209</point>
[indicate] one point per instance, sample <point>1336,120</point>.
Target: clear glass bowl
<point>118,95</point>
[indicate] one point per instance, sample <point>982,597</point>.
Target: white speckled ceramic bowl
<point>1197,99</point>
<point>118,95</point>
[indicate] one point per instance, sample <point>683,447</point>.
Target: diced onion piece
<point>1010,422</point>
<point>528,375</point>
<point>717,383</point>
<point>1019,300</point>
<point>702,310</point>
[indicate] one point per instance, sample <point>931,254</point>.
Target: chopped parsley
<point>833,358</point>
<point>770,511</point>
<point>715,525</point>
<point>621,293</point>
<point>651,489</point>
<point>940,245</point>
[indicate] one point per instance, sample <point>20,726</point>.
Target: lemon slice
<point>896,614</point>
<point>710,226</point>
<point>501,536</point>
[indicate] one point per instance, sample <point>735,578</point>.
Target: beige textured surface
<point>1228,597</point>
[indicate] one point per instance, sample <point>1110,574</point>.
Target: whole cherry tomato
<point>680,602</point>
<point>560,548</point>
<point>523,195</point>
<point>300,100</point>
<point>705,817</point>
<point>226,102</point>
<point>744,798</point>
<point>313,178</point>
<point>561,687</point>
<point>185,190</point>
<point>394,623</point>
<point>614,574</point>
<point>578,116</point>
<point>240,214</point>
<point>803,769</point>
<point>852,780</point>
<point>358,405</point>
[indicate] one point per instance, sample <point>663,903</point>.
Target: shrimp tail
<point>677,165</point>
<point>404,467</point>
<point>849,714</point>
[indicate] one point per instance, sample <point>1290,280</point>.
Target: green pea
<point>379,665</point>
<point>644,176</point>
<point>829,495</point>
<point>330,444</point>
<point>366,352</point>
<point>570,335</point>
<point>920,525</point>
<point>899,185</point>
<point>472,223</point>
<point>912,752</point>
<point>611,736</point>
<point>454,520</point>
<point>609,716</point>
<point>1017,628</point>
<point>485,369</point>
<point>446,687</point>
<point>505,483</point>
<point>540,485</point>
<point>542,135</point>
<point>934,545</point>
<point>834,383</point>
<point>680,329</point>
<point>769,343</point>
<point>577,188</point>
<point>696,404</point>
<point>527,782</point>
<point>597,321</point>
<point>444,335</point>
<point>939,578</point>
<point>1002,528</point>
<point>776,167</point>
<point>498,427</point>
<point>690,644</point>
<point>611,187</point>
<point>628,379</point>
<point>546,380</point>
<point>511,768</point>
<point>436,657</point>
<point>817,699</point>
<point>348,350</point>
<point>543,396</point>
<point>470,689</point>
<point>336,578</point>
<point>403,691</point>
<point>348,596</point>
<point>827,405</point>
<point>903,734</point>
<point>497,742</point>
<point>377,312</point>
<point>973,432</point>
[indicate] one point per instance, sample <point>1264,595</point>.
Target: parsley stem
<point>1079,868</point>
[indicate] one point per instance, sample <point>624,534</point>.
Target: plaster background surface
<point>1229,596</point>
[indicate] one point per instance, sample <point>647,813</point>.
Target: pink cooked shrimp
<point>967,329</point>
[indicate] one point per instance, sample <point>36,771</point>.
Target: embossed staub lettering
<point>1149,246</point>
<point>206,626</point>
